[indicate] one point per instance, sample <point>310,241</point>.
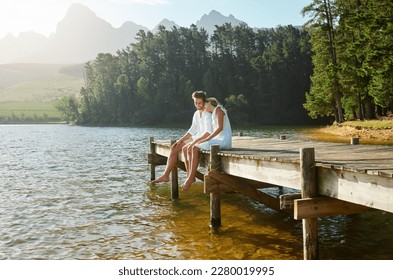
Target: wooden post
<point>354,140</point>
<point>152,151</point>
<point>175,179</point>
<point>309,190</point>
<point>215,199</point>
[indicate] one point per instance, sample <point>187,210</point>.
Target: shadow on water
<point>246,232</point>
<point>251,231</point>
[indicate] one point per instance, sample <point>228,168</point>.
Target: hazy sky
<point>42,16</point>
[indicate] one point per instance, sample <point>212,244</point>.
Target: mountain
<point>12,47</point>
<point>168,24</point>
<point>208,22</point>
<point>81,35</point>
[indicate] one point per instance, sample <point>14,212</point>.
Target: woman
<point>222,136</point>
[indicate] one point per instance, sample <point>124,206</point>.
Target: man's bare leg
<point>186,158</point>
<point>171,162</point>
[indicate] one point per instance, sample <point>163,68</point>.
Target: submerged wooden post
<point>175,179</point>
<point>152,151</point>
<point>215,199</point>
<point>309,190</point>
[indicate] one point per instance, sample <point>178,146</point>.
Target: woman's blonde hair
<point>213,101</point>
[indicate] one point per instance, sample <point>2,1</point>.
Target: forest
<point>338,66</point>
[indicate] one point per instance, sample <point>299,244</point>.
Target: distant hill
<point>44,89</point>
<point>31,91</point>
<point>81,35</point>
<point>11,74</point>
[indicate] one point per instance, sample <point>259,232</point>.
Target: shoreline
<point>367,132</point>
<point>344,133</point>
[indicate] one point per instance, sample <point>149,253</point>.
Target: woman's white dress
<point>224,139</point>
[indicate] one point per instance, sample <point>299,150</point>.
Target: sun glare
<point>40,16</point>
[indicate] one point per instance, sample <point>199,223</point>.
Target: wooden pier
<point>323,179</point>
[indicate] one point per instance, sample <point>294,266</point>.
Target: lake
<point>70,192</point>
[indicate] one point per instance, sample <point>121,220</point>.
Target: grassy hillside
<point>11,74</point>
<point>33,98</point>
<point>42,90</point>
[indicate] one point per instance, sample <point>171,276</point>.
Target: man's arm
<point>207,128</point>
<point>182,139</point>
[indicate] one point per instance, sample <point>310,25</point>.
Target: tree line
<point>337,67</point>
<point>260,76</point>
<point>352,43</point>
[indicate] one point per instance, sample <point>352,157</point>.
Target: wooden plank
<point>360,188</point>
<point>307,208</point>
<point>270,172</point>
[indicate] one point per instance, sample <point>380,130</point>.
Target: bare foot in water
<point>162,179</point>
<point>187,184</point>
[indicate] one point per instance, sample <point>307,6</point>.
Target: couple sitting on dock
<point>210,126</point>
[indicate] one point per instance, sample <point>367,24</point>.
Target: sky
<point>42,16</point>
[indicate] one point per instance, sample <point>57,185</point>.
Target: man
<point>201,128</point>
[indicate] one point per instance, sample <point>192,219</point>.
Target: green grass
<point>35,100</point>
<point>15,112</point>
<point>42,90</point>
<point>29,109</point>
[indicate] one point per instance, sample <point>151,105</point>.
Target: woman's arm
<point>220,120</point>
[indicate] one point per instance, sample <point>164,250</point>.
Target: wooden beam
<point>324,206</point>
<point>156,159</point>
<point>238,185</point>
<point>237,181</point>
<point>212,185</point>
<point>287,200</point>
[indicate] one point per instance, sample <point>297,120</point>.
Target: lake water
<point>69,192</point>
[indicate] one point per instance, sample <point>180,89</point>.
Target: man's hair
<point>199,94</point>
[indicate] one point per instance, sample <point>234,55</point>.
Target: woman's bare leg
<point>194,162</point>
